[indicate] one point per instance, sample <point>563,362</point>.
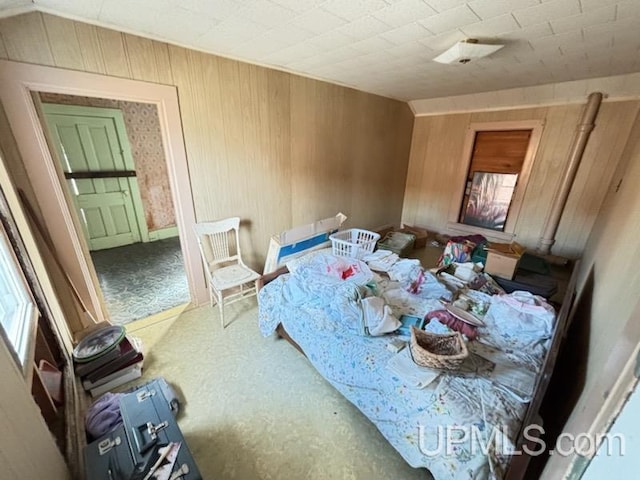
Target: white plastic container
<point>354,242</point>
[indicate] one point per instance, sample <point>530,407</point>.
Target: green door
<point>90,140</point>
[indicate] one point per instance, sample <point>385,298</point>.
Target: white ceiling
<point>386,46</point>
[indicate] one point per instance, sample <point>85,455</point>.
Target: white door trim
<point>18,80</point>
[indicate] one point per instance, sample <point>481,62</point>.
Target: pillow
<point>305,258</point>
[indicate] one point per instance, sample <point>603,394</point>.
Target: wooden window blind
<point>502,151</point>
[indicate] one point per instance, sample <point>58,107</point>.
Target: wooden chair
<point>229,279</point>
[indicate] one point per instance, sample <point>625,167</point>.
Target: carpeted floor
<point>142,279</point>
<point>255,408</point>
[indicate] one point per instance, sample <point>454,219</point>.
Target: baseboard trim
<point>163,233</point>
<point>156,318</point>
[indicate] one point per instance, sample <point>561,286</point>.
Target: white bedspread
<point>416,421</point>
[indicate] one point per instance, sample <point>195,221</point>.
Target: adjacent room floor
<point>141,279</point>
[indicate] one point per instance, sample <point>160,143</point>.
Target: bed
<point>485,420</point>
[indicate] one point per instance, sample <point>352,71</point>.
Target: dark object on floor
<point>149,422</point>
<point>421,235</point>
<point>534,264</point>
<point>399,243</point>
<point>132,450</point>
<point>109,458</point>
<point>535,283</point>
<point>128,354</point>
<point>98,343</point>
<point>533,275</point>
<point>167,390</point>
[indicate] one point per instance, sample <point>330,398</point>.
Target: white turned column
<point>580,139</point>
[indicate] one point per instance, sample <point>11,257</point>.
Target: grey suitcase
<point>149,424</point>
<point>109,457</point>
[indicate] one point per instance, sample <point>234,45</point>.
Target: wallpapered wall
<point>145,137</point>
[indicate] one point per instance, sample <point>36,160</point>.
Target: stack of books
<point>112,369</point>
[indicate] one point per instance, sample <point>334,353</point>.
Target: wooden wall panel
<point>345,157</point>
<point>610,256</point>
<point>113,53</point>
<point>434,166</point>
<point>606,308</point>
<point>89,45</point>
<point>435,144</point>
<point>321,174</point>
<point>606,144</point>
<point>276,149</point>
<point>25,39</point>
<point>382,166</point>
<point>3,50</point>
<point>66,54</point>
<point>163,65</point>
<point>142,59</point>
<point>560,125</point>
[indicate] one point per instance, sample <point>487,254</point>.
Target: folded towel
<point>381,260</point>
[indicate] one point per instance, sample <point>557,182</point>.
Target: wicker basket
<point>432,350</point>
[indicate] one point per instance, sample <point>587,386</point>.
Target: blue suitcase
<point>109,457</point>
<point>149,424</point>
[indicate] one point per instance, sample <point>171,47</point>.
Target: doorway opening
<point>112,157</point>
<point>20,81</point>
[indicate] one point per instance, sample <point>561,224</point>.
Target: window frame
<point>27,309</point>
<point>454,225</point>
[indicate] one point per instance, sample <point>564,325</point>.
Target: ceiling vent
<point>465,51</point>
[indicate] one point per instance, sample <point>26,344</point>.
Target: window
<point>17,309</point>
<point>497,160</point>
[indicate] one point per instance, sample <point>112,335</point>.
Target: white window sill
<point>456,229</point>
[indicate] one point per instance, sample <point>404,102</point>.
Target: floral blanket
<point>462,425</point>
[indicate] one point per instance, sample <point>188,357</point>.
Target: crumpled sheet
<point>411,419</point>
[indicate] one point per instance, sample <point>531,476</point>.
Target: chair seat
<point>232,276</point>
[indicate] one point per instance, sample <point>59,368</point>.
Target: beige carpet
<point>256,409</point>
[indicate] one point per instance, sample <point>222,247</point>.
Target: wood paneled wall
<point>606,321</point>
<point>275,149</point>
<point>436,164</point>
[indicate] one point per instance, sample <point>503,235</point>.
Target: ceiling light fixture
<point>466,51</point>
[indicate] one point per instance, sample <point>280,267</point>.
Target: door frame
<point>118,120</point>
<point>18,81</point>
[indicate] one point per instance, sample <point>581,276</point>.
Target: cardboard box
<point>421,235</point>
<point>300,240</point>
<point>383,230</point>
<point>399,243</point>
<point>503,259</point>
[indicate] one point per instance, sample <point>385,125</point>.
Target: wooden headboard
<point>264,279</point>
